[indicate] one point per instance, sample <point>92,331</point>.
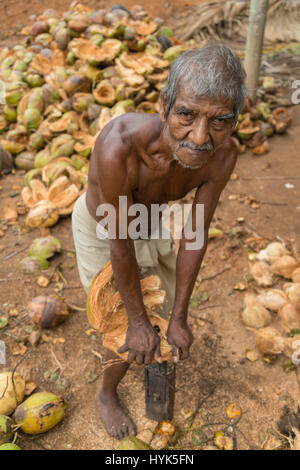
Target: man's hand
<point>142,342</point>
<point>180,337</point>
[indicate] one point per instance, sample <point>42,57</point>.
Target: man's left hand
<point>180,337</point>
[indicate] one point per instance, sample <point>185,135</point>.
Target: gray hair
<point>213,70</point>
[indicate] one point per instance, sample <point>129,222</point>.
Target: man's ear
<point>162,107</point>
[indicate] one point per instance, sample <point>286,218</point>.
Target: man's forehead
<point>186,97</point>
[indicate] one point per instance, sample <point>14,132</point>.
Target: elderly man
<point>154,159</point>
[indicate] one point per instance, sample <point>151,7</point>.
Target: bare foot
<point>115,420</point>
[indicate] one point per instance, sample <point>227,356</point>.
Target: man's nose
<point>199,135</point>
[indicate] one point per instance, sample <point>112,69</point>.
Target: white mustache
<point>202,148</point>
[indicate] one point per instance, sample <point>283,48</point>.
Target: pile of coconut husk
<point>269,304</point>
<point>229,19</point>
<point>74,73</point>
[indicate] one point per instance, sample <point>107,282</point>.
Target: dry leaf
<point>240,286</point>
<point>251,355</point>
<point>233,411</point>
<point>59,340</point>
<point>18,350</point>
<point>47,338</point>
<point>43,281</point>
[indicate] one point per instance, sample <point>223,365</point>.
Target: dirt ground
<point>217,371</point>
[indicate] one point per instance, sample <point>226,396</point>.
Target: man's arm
<point>189,261</point>
<point>142,341</point>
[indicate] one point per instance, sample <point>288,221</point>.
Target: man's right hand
<point>142,342</point>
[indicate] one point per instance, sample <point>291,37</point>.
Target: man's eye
<point>219,122</point>
<point>185,113</point>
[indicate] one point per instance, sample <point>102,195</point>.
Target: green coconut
<point>10,113</point>
<point>25,161</point>
<point>92,73</point>
<point>13,93</point>
<point>42,158</point>
<point>173,52</point>
<point>12,147</point>
<point>20,66</point>
<point>32,118</point>
<point>264,110</point>
<point>164,31</point>
<point>125,106</point>
<point>31,264</point>
<point>44,247</point>
<point>34,80</point>
<point>6,433</point>
<point>37,141</point>
<point>30,175</point>
<point>97,39</point>
<point>71,58</point>
<point>18,133</point>
<point>10,446</point>
<point>40,412</point>
<point>78,161</point>
<point>65,150</point>
<point>133,443</point>
<point>36,100</point>
<point>266,128</point>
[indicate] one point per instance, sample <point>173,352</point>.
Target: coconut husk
<point>107,314</point>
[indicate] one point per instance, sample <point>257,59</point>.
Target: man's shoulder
<point>224,160</point>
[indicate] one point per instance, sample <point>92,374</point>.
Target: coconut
<point>10,446</point>
<point>49,408</point>
<point>289,316</point>
<point>31,264</point>
<point>12,388</point>
<point>12,147</point>
<point>36,141</point>
<point>296,275</point>
<point>34,79</point>
<point>273,299</point>
<point>77,83</point>
<point>261,273</point>
<point>105,94</point>
<point>97,17</point>
<point>133,443</point>
<point>43,214</point>
<point>81,101</point>
<point>293,294</point>
<point>122,107</point>
<point>13,93</point>
<point>6,161</point>
<point>10,113</point>
<point>173,52</point>
<point>79,23</point>
<point>25,161</point>
<point>49,94</point>
<point>63,195</point>
<point>261,149</point>
<point>32,118</point>
<point>36,101</point>
<point>272,252</point>
<point>269,341</point>
<point>42,158</point>
<point>39,27</point>
<point>47,312</point>
<point>254,314</point>
<point>45,247</point>
<point>284,266</point>
<point>6,433</point>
